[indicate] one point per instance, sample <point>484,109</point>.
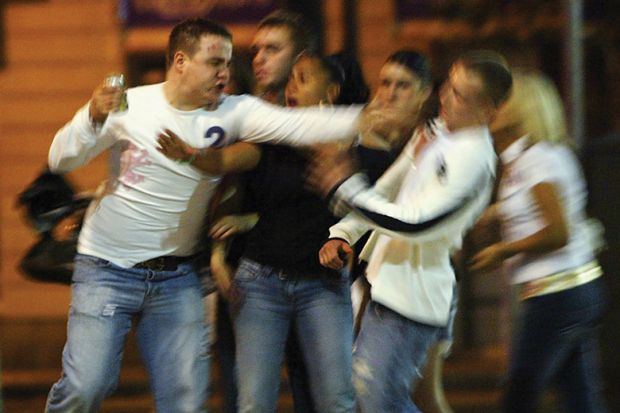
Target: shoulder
<point>546,154</point>
<point>473,145</point>
<point>145,91</point>
<point>545,161</point>
<point>233,101</point>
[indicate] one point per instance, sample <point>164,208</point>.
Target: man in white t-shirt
<point>419,210</point>
<point>139,238</point>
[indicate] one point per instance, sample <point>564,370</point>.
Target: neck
<point>503,138</point>
<point>181,99</point>
<point>272,95</point>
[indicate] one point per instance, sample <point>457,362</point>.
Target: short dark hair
<point>494,72</point>
<point>186,35</point>
<point>416,62</point>
<point>304,39</point>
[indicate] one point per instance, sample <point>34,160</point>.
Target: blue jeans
<point>320,308</point>
<point>171,331</point>
<point>388,359</point>
<point>557,344</point>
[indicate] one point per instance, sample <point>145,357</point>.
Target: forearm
<point>349,229</point>
<point>75,144</point>
<point>298,127</point>
<point>239,157</point>
<point>544,241</point>
<point>554,234</point>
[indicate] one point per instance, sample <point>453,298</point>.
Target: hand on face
<point>383,127</point>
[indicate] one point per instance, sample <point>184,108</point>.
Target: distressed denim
<point>171,331</point>
<point>388,359</point>
<point>557,344</point>
<point>320,308</point>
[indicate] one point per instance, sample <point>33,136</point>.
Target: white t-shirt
<point>154,206</point>
<point>525,167</point>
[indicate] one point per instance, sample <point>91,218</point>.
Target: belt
<point>561,281</point>
<point>163,263</point>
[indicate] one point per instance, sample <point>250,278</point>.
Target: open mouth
<point>292,102</point>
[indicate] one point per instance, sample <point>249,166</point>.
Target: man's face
<point>400,88</point>
<point>463,103</point>
<point>274,56</point>
<point>206,73</point>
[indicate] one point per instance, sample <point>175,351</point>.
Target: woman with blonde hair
<point>548,249</point>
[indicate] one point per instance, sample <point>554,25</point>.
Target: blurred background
<point>54,52</point>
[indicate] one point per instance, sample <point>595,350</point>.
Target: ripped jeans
<point>170,327</point>
<point>388,359</point>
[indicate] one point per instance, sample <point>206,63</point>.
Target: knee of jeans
<point>362,377</point>
<point>341,400</point>
<point>254,397</point>
<point>375,391</point>
<point>89,390</point>
<point>247,405</point>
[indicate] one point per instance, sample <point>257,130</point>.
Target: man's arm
<point>84,137</point>
<point>238,157</point>
<point>259,121</point>
<point>436,211</point>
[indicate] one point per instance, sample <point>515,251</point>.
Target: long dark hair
<point>345,70</point>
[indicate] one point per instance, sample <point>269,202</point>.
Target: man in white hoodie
<point>419,210</point>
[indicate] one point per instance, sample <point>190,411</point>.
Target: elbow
<point>57,167</point>
<point>54,166</point>
<point>62,165</point>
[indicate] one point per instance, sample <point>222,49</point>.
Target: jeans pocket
<point>248,271</point>
<point>88,267</point>
<point>92,261</point>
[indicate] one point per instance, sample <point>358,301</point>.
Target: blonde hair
<point>534,108</point>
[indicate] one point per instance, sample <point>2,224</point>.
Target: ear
<point>333,92</point>
<point>179,60</point>
<point>425,94</point>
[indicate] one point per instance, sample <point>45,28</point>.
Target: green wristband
<point>188,159</point>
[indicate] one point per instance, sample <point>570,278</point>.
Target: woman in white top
<point>548,251</point>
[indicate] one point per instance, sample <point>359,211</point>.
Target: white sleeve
<point>352,227</point>
<point>78,142</point>
<point>261,122</point>
<point>436,212</point>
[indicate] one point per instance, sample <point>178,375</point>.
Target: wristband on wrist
<point>190,155</point>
